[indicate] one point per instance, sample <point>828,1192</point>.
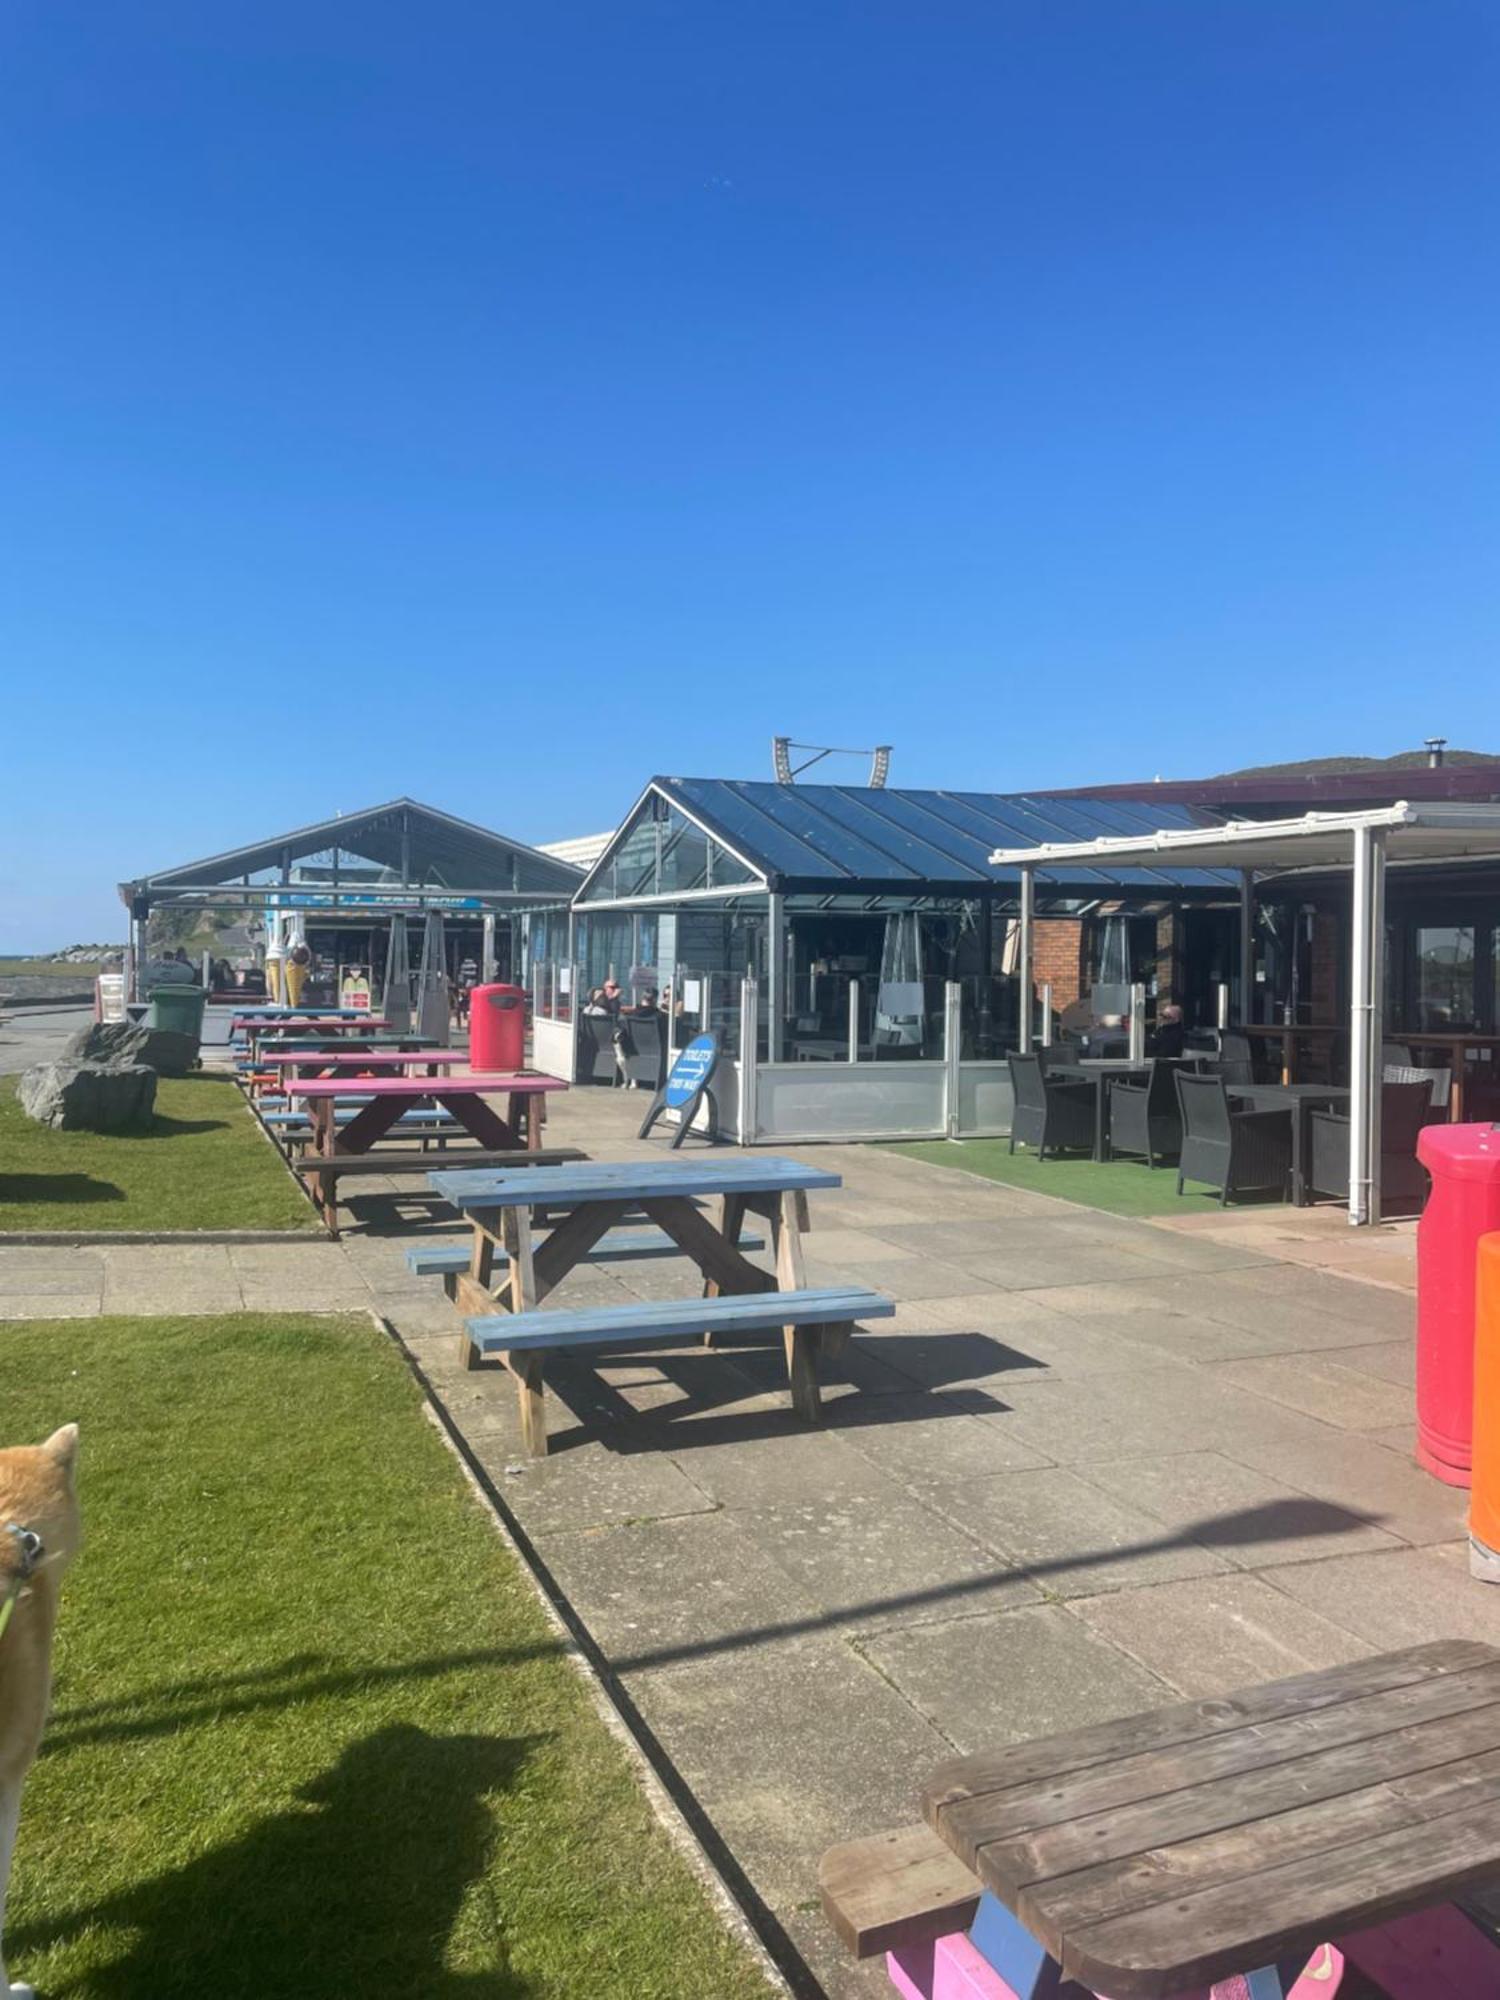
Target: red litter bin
<point>1464,1162</point>
<point>497,1028</point>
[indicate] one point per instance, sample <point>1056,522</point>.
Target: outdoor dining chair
<point>1235,1062</point>
<point>1404,1109</point>
<point>1143,1116</point>
<point>1232,1151</point>
<point>1439,1081</point>
<point>641,1050</point>
<point>1050,1111</point>
<point>601,1062</point>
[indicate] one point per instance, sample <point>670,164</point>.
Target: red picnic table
<point>465,1097</point>
<point>363,1062</point>
<point>334,1146</point>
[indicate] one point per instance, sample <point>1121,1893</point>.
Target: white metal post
<point>1024,958</point>
<point>854,1020</point>
<point>953,999</point>
<point>487,952</point>
<point>749,1049</point>
<point>1247,946</point>
<point>1047,1014</point>
<point>1137,1023</point>
<point>1221,1020</point>
<point>775,974</point>
<point>1367,953</point>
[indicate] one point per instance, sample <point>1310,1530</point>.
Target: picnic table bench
<point>1265,1845</point>
<point>509,1273</point>
<point>384,1100</point>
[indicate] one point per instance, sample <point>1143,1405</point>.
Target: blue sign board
<point>691,1071</point>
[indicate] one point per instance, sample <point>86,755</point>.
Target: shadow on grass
<point>175,1128</point>
<point>64,1188</point>
<point>357,1895</point>
<point>165,1710</point>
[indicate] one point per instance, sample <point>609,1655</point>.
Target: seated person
<point>647,1008</point>
<point>1170,1035</point>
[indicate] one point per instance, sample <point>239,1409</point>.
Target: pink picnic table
<point>467,1097</point>
<point>364,1062</point>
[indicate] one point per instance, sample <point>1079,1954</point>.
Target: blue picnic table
<point>507,1272</point>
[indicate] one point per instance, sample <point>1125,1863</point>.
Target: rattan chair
<point>1050,1112</point>
<point>1404,1109</point>
<point>1232,1151</point>
<point>1144,1118</point>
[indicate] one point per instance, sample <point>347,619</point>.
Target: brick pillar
<point>1057,958</point>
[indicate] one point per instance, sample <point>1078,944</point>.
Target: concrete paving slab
<point>1399,1599</point>
<point>1071,1536</point>
<point>49,1305</point>
<point>867,1568</point>
<point>38,1272</point>
<point>799,1747</point>
<point>660,1592</point>
<point>1010,1675</point>
<point>1348,1398</point>
<point>1390,1360</point>
<point>774,1457</point>
<point>1365,1477</point>
<point>934,1439</point>
<point>1127,1414</point>
<point>1213,1634</point>
<point>605,1482</point>
<point>1248,1517</point>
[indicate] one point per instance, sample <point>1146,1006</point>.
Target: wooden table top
<point>626,1180</point>
<point>491,1083</point>
<point>372,1058</point>
<point>1167,1850</point>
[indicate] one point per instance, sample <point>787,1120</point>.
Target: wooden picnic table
<point>350,1063</point>
<point>385,1098</point>
<point>1150,1856</point>
<point>335,1028</point>
<point>509,1274</point>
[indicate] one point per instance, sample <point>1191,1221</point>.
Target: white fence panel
<point>985,1100</point>
<point>876,1100</point>
<point>552,1048</point>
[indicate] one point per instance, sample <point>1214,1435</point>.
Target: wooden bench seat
<point>811,1321</point>
<point>323,1175</point>
<point>896,1891</point>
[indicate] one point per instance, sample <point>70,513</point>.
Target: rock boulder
<point>162,1049</point>
<point>89,1096</point>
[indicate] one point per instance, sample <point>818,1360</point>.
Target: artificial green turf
<point>204,1164</point>
<point>312,1735</point>
<point>1120,1187</point>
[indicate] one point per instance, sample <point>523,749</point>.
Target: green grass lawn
<point>50,968</point>
<point>203,1165</point>
<point>312,1736</point>
<point>1120,1187</point>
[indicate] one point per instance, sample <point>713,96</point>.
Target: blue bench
<point>442,1260</point>
<point>810,1320</point>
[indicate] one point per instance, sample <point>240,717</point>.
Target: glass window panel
<point>1445,977</point>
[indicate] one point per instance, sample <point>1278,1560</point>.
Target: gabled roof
<point>440,852</point>
<point>819,839</point>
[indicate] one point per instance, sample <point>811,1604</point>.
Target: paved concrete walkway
<point>1092,1463</point>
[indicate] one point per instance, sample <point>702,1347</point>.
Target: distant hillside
<point>1325,767</point>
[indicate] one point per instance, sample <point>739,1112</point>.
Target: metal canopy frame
<point>1366,843</point>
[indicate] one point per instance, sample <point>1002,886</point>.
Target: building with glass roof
<point>820,889</point>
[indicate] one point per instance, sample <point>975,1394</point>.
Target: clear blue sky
<point>501,403</point>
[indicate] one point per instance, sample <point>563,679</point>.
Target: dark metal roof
<point>810,838</point>
<point>441,852</point>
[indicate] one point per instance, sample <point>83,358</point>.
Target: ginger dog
<point>39,1533</point>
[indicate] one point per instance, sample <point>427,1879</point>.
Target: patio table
<point>1151,1856</point>
<point>385,1098</point>
<point>1098,1070</point>
<point>507,1274</point>
<point>351,1063</point>
<point>1300,1099</point>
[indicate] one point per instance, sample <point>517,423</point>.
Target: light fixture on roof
<point>781,758</point>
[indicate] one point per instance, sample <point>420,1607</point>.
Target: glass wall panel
<point>1445,977</point>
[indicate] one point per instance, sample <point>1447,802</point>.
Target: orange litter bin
<point>1484,1494</point>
